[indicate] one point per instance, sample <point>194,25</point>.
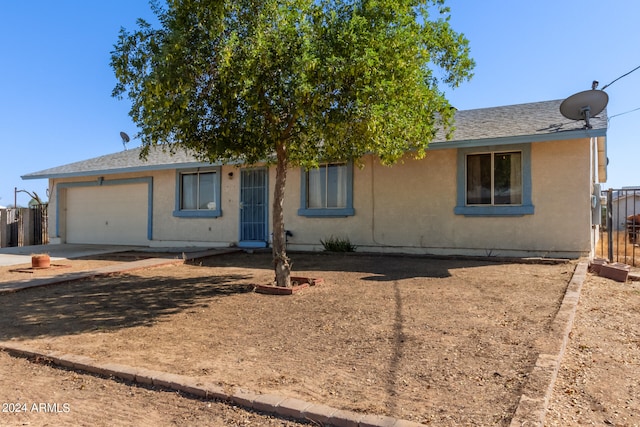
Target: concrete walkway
<point>22,254</point>
<point>531,410</point>
<point>108,270</point>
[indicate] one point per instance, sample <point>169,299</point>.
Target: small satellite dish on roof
<point>125,139</point>
<point>584,105</point>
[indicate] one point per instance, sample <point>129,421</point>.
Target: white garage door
<point>109,214</point>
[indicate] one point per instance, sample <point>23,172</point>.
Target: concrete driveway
<point>22,254</point>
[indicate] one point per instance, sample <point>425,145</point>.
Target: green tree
<point>291,82</point>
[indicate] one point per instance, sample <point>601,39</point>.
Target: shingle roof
<point>537,118</point>
<point>121,162</point>
<point>538,121</point>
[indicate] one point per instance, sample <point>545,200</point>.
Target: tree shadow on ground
<point>378,268</point>
<point>378,314</point>
<point>108,304</point>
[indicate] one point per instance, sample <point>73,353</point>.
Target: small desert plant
<point>338,244</point>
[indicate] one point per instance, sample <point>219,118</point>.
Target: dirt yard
<point>75,399</point>
<point>599,378</point>
<point>446,342</point>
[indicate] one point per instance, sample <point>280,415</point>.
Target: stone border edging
<point>271,403</point>
<point>534,400</point>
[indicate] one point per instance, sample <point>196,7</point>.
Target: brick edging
<point>271,403</point>
<point>534,401</point>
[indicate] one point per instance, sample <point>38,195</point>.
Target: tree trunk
<point>280,259</point>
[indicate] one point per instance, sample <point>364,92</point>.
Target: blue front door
<point>254,208</point>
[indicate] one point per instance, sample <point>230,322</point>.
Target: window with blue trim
<point>327,191</point>
<point>198,193</point>
<point>494,181</point>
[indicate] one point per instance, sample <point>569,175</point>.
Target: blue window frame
<point>494,181</point>
<point>198,193</point>
<point>327,191</point>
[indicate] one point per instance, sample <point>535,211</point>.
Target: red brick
<point>596,264</point>
<point>617,271</point>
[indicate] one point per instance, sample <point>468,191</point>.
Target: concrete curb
<point>534,401</point>
<point>271,403</point>
<point>108,270</point>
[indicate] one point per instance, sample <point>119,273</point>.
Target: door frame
<point>264,242</point>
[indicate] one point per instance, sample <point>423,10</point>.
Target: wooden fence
<point>24,226</point>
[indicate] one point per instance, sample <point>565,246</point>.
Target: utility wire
<point>620,114</point>
<point>606,86</point>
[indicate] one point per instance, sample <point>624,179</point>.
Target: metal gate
<point>620,231</point>
<point>254,209</point>
<point>14,226</point>
<point>24,226</point>
<point>39,225</point>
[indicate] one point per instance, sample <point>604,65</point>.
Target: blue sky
<point>55,79</point>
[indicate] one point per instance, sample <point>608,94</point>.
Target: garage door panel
<point>114,214</point>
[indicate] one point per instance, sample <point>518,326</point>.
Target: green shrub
<point>338,244</point>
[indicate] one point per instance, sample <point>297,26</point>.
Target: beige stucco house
<point>518,180</point>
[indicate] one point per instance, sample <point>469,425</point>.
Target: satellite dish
<point>125,139</point>
<point>584,105</point>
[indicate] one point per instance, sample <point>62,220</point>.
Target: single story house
<point>518,180</point>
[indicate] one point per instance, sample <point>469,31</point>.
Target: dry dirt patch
<point>599,377</point>
<point>33,394</point>
<point>448,342</point>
